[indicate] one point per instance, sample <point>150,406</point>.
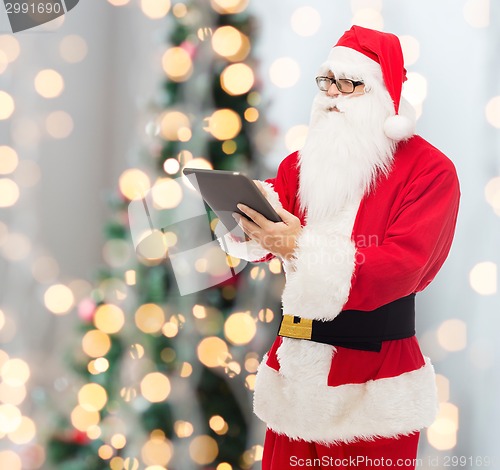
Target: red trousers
<point>282,453</point>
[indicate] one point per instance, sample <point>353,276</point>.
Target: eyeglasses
<point>344,85</point>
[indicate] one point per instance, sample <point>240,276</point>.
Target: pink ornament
<point>190,48</point>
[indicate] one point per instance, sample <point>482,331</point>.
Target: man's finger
<point>249,227</point>
<point>258,218</point>
<point>286,216</point>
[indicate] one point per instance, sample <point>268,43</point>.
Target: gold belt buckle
<point>300,330</point>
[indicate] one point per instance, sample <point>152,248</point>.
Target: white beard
<point>344,152</point>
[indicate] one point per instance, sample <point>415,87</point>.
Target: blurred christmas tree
<point>167,377</point>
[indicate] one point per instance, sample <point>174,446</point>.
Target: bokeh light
<point>95,343</point>
<point>25,432</point>
<point>442,433</point>
<point>230,43</point>
<point>8,160</point>
<point>483,278</point>
<point>411,49</point>
<point>155,9</point>
<point>157,451</point>
<point>225,7</point>
<point>212,351</point>
<point>49,83</point>
<point>73,48</point>
<point>368,18</point>
<point>10,418</point>
<point>92,397</point>
<point>284,72</point>
<point>9,192</point>
<point>492,193</point>
<point>452,335</point>
<point>109,318</point>
<point>9,45</point>
<point>134,183</point>
<point>59,299</point>
<point>166,193</point>
<point>224,124</point>
<point>16,246</point>
<point>15,372</point>
<point>83,419</point>
<point>306,21</point>
<point>240,328</point>
<point>171,166</point>
<point>477,13</point>
<point>237,79</point>
<point>155,387</point>
<point>59,124</point>
<point>177,64</point>
<point>296,137</point>
<point>149,318</point>
<point>118,3</point>
<point>415,89</point>
<point>7,105</point>
<point>493,112</point>
<point>172,124</point>
<point>203,450</point>
<point>183,429</point>
<point>9,459</point>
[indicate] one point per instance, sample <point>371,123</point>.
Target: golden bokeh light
<point>266,315</point>
<point>452,335</point>
<point>134,184</point>
<point>12,395</point>
<point>95,343</point>
<point>284,72</point>
<point>443,388</point>
<point>157,451</point>
<point>130,277</point>
<point>155,9</point>
<point>275,266</point>
<point>250,381</point>
<point>118,441</point>
<point>493,112</point>
<point>83,419</point>
<point>240,328</point>
<point>442,433</point>
<point>155,387</point>
<point>166,193</point>
<point>257,273</point>
<point>306,21</point>
<point>224,124</point>
<point>186,370</point>
<point>477,13</point>
<point>92,397</point>
<point>9,192</point>
<point>177,64</point>
<point>100,365</point>
<point>173,124</point>
<point>228,147</point>
<point>230,43</point>
<point>128,393</point>
<point>179,10</point>
<point>224,466</point>
<point>59,299</point>
<point>105,452</point>
<point>296,137</point>
<point>183,429</point>
<point>217,424</point>
<point>212,351</point>
<point>9,459</point>
<point>203,449</point>
<point>411,49</point>
<point>170,329</point>
<point>150,318</point>
<point>59,124</point>
<point>9,45</point>
<point>73,48</point>
<point>136,351</point>
<point>15,372</point>
<point>369,18</point>
<point>483,278</point>
<point>7,105</point>
<point>251,114</point>
<point>118,3</point>
<point>237,79</point>
<point>152,246</point>
<point>49,83</point>
<point>10,418</point>
<point>109,318</point>
<point>229,7</point>
<point>117,463</point>
<point>232,369</point>
<point>25,432</point>
<point>8,160</point>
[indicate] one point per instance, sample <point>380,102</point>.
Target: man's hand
<point>280,238</point>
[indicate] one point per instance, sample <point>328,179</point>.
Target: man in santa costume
<point>369,211</point>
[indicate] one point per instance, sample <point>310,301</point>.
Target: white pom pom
<point>399,127</point>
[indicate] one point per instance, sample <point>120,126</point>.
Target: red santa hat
<point>385,50</point>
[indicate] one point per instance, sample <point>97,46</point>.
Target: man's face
<point>334,92</point>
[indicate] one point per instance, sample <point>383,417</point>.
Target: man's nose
<point>333,90</point>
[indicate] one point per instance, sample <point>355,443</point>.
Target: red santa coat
<point>388,247</point>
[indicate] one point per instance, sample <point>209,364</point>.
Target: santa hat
<point>385,50</point>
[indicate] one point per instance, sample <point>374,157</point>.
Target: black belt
<point>356,329</point>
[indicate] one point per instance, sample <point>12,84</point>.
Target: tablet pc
<point>223,190</point>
